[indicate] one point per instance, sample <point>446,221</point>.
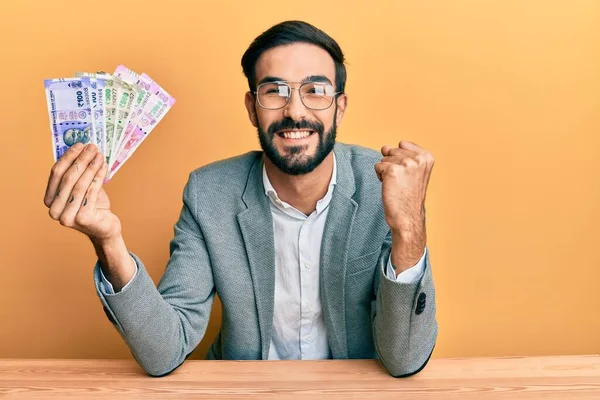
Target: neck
<point>301,191</point>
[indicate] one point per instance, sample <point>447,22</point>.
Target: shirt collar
<point>321,204</point>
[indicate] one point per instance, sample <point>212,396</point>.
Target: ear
<point>342,103</point>
<point>251,108</point>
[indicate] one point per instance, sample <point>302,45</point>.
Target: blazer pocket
<point>363,263</point>
<point>360,289</point>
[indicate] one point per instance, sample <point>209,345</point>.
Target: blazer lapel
<point>334,253</point>
<point>256,224</point>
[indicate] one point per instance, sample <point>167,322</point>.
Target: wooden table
<point>563,377</point>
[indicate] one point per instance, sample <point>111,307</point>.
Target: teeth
<point>296,134</point>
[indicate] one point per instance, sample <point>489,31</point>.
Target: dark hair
<point>290,32</point>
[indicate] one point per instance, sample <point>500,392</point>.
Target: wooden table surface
<point>561,377</point>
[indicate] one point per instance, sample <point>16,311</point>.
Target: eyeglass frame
<point>287,101</point>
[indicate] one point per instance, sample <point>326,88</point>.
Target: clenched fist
<point>404,172</point>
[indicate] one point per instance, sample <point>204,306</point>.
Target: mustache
<point>288,123</point>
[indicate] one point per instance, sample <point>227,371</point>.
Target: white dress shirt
<point>299,331</point>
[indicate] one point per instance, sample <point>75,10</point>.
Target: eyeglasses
<point>314,95</point>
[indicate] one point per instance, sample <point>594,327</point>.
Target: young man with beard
<point>316,249</point>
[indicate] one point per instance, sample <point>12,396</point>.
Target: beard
<point>296,162</point>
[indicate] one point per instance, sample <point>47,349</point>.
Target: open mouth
<point>295,134</point>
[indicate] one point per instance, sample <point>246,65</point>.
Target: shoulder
<point>228,176</point>
<point>359,154</point>
<point>362,159</point>
<point>233,167</point>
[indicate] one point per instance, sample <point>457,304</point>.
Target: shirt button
<point>308,308</point>
<point>308,338</point>
<point>307,265</point>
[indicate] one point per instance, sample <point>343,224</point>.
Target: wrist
<point>408,247</point>
<point>108,242</point>
<point>117,264</point>
<point>410,221</point>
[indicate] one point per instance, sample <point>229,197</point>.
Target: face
<point>296,139</point>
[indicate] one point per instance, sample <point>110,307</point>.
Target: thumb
<point>381,168</point>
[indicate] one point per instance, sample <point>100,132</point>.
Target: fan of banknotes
<point>115,112</point>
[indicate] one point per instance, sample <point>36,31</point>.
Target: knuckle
<point>78,190</point>
<point>408,162</point>
<point>81,219</point>
<point>66,220</point>
<point>53,213</point>
<point>86,156</point>
<point>424,159</point>
<point>56,170</point>
<point>69,178</point>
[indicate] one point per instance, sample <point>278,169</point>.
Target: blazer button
<point>421,300</point>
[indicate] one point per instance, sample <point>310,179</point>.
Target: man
<point>310,253</point>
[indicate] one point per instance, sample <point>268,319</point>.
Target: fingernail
<point>71,199</point>
<point>90,147</point>
<point>78,146</point>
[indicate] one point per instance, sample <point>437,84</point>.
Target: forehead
<point>295,62</point>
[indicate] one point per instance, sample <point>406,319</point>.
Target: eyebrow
<point>310,78</point>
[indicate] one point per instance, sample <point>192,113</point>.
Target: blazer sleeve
<point>404,319</point>
<point>163,325</point>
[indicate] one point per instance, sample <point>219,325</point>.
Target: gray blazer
<point>224,244</point>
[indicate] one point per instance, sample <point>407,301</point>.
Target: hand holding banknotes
<point>76,198</point>
<point>97,121</point>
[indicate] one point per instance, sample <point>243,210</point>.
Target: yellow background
<point>505,94</point>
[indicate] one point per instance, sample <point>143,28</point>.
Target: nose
<point>294,109</point>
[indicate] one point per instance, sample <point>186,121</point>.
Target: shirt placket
<point>306,336</point>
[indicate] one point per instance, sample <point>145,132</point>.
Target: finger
<point>91,198</point>
<point>57,171</point>
<point>405,144</point>
<point>79,191</point>
<point>68,181</point>
<point>396,151</point>
<point>385,150</point>
<point>382,168</point>
<point>400,153</point>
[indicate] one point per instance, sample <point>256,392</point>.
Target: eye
<point>316,89</point>
<point>273,89</point>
